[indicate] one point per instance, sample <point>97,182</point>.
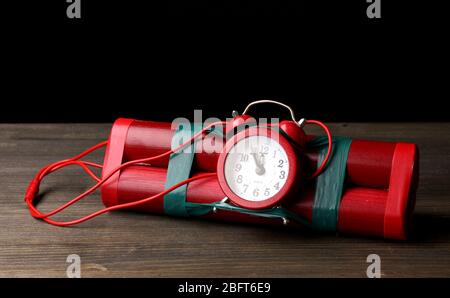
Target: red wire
<point>330,147</point>
<point>126,205</point>
<point>33,188</point>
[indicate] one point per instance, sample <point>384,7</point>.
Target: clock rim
<point>288,185</point>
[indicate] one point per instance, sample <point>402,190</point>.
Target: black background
<point>160,60</point>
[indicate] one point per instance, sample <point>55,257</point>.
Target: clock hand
<point>259,167</point>
<point>262,159</point>
<point>255,159</point>
<point>261,164</point>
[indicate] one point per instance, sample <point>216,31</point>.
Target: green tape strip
<point>179,169</point>
<point>330,183</point>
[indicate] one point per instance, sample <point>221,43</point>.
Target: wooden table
<point>125,244</point>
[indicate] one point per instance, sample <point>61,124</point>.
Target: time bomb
<point>272,174</point>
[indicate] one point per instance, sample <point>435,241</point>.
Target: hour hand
<point>259,166</point>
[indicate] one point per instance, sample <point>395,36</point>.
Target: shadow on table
<point>430,228</point>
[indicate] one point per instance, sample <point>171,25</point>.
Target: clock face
<point>256,168</point>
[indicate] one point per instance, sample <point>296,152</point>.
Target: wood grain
<point>126,244</point>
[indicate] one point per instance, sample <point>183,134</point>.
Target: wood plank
<point>126,244</point>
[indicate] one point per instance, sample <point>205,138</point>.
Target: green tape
<point>179,169</point>
<point>330,183</point>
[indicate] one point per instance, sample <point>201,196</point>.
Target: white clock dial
<point>256,168</point>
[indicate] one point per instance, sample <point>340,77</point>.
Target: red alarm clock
<point>257,168</point>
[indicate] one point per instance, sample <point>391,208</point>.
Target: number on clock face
<point>256,168</point>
